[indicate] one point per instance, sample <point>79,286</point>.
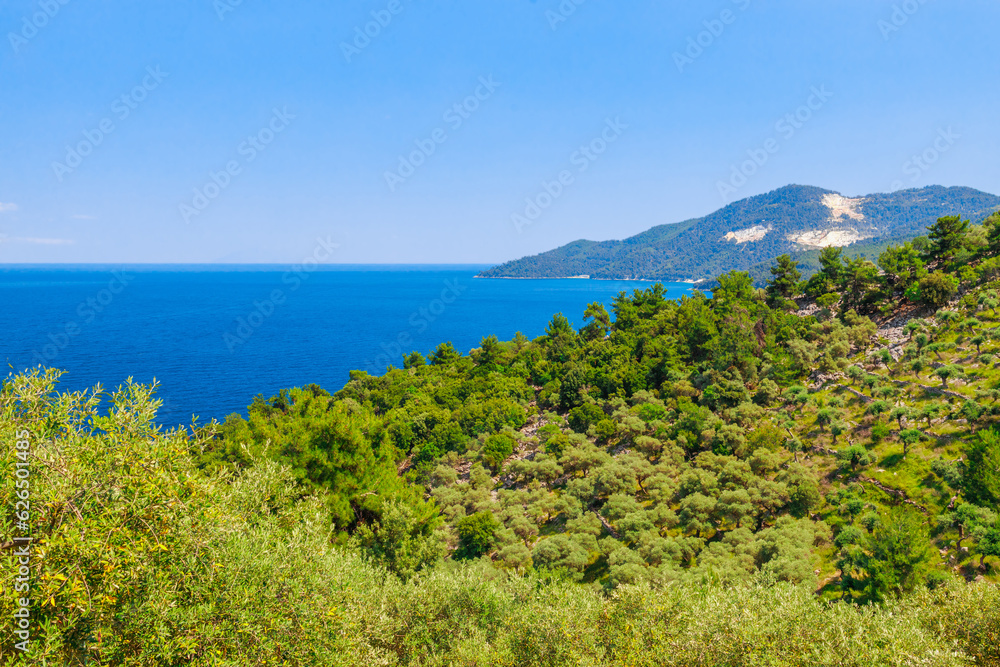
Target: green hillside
<point>804,474</point>
<point>698,249</point>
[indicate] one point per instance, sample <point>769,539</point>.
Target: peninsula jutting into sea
<point>747,234</point>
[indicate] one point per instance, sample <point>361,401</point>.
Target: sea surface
<point>213,337</point>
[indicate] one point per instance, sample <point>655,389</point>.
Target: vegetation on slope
<point>763,476</point>
<point>139,558</point>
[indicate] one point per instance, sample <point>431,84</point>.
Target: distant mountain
<point>752,231</point>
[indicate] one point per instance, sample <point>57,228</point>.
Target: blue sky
<point>243,131</point>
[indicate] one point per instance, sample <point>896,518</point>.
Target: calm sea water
<point>214,337</point>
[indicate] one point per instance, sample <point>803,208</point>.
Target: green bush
<point>605,429</point>
<point>937,288</point>
<point>497,448</point>
<point>477,534</point>
<point>583,417</point>
<point>880,431</point>
<point>854,456</point>
<point>982,472</point>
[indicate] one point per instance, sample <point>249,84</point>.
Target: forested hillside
<point>792,219</point>
<point>804,474</point>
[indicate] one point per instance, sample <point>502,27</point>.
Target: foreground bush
<point>140,559</point>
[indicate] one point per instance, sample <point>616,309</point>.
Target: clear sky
<point>115,115</point>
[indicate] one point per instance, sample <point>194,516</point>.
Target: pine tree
<point>992,225</point>
<point>946,237</point>
<point>896,550</point>
<point>982,477</point>
<point>785,282</point>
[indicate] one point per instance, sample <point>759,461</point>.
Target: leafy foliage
<point>142,560</point>
<point>982,476</point>
<point>326,443</point>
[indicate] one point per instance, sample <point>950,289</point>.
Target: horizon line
<point>318,266</point>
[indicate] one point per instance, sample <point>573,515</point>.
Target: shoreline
<point>586,277</point>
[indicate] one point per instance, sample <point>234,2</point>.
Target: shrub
<point>982,473</point>
<point>497,448</point>
<point>605,429</point>
<point>583,417</point>
<point>880,431</point>
<point>937,288</point>
<point>855,456</point>
<point>477,534</point>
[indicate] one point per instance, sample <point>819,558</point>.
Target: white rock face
<point>840,232</point>
<point>841,206</point>
<point>824,238</point>
<point>755,233</point>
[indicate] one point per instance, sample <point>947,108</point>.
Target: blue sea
<point>213,337</point>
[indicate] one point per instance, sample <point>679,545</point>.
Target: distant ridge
<point>752,231</point>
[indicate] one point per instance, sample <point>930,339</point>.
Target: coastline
<point>689,281</point>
